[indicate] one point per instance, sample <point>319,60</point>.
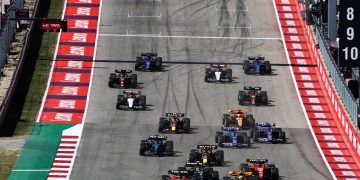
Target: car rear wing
<point>237,111</point>
<point>218,65</point>
<point>230,128</point>
<point>148,54</point>
<point>131,92</point>
<point>194,164</point>
<point>157,137</point>
<point>252,88</point>
<point>177,172</point>
<point>174,114</point>
<point>206,146</point>
<point>261,58</point>
<point>265,124</point>
<point>122,71</point>
<point>258,161</point>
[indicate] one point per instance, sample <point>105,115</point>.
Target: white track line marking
<point>129,33</point>
<point>135,16</point>
<point>234,27</point>
<point>218,9</point>
<point>188,37</point>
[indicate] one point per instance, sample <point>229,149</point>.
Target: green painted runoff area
<point>39,151</point>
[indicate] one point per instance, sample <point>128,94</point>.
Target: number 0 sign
<point>349,32</point>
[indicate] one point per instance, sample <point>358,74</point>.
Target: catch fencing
<point>337,77</point>
<point>8,29</point>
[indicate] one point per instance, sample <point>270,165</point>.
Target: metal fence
<point>345,94</point>
<point>8,30</point>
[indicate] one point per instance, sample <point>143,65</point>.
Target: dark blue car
<point>232,138</point>
<point>257,65</point>
<point>148,62</point>
<point>156,145</point>
<point>267,132</point>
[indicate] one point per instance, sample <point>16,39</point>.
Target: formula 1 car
<point>131,100</point>
<point>238,118</point>
<point>261,166</point>
<point>257,65</point>
<point>122,78</point>
<point>267,132</point>
<point>252,96</point>
<point>242,175</point>
<point>155,145</point>
<point>197,171</point>
<point>173,123</point>
<point>232,138</point>
<point>205,154</point>
<point>148,62</point>
<point>218,73</point>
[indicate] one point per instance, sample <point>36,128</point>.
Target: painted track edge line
<point>299,96</point>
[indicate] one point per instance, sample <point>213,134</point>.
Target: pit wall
<point>333,132</point>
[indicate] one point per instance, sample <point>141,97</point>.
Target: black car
<point>174,122</point>
<point>148,62</point>
<point>122,78</point>
<point>131,100</point>
<point>156,145</point>
<point>257,65</point>
<point>252,96</point>
<point>195,170</point>
<point>206,155</point>
<point>218,73</point>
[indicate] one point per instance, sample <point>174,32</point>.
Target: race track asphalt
<point>189,35</point>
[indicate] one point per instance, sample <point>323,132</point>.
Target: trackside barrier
<point>343,91</point>
<point>10,30</point>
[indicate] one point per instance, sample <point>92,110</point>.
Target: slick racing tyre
<point>158,63</point>
<point>218,134</point>
<point>219,157</point>
<point>186,125</point>
<point>169,147</point>
<point>138,63</point>
<point>229,74</point>
<point>282,136</point>
<point>161,124</point>
<point>241,97</point>
<point>133,80</point>
<point>142,102</point>
<point>246,66</point>
<point>267,67</point>
<point>274,173</point>
<point>142,147</point>
<point>192,156</point>
<point>215,175</point>
<point>221,140</point>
